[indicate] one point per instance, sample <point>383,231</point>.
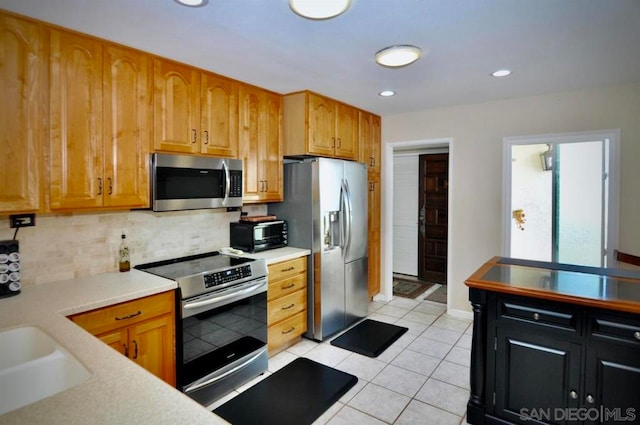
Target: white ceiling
<point>551,45</point>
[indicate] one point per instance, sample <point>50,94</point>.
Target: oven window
<point>223,327</point>
<point>189,183</point>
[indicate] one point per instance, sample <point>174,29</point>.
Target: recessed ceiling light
<point>387,93</point>
<point>397,56</point>
<point>192,3</point>
<point>501,73</point>
<point>319,9</point>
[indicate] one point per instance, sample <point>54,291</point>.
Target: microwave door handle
<point>227,181</point>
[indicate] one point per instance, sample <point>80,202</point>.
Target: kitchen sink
<point>34,366</point>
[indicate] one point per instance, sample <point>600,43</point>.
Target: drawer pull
<point>287,269</point>
<point>536,316</point>
<point>135,350</point>
<point>129,316</point>
<point>293,284</point>
<point>293,328</point>
<point>289,306</point>
<point>573,395</point>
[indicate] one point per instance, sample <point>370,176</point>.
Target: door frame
<point>613,135</point>
<point>386,237</point>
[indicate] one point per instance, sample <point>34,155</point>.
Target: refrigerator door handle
<point>347,216</point>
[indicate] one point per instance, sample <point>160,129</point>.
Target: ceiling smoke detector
<point>398,56</point>
<point>319,9</point>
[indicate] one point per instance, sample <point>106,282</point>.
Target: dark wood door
<point>432,217</point>
<point>535,374</point>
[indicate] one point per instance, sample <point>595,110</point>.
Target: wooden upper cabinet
<point>370,140</point>
<point>176,107</point>
<point>195,112</point>
<point>76,121</point>
<point>23,110</point>
<point>100,124</point>
<point>317,125</point>
<point>219,116</point>
<point>260,144</point>
<point>127,134</point>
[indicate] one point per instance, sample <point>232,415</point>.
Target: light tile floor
<point>423,378</point>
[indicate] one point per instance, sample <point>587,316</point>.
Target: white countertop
<point>118,391</point>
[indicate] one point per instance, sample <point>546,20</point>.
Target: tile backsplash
<point>66,246</point>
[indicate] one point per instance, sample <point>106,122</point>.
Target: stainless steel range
<point>221,338</point>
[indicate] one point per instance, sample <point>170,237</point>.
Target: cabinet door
<point>370,137</point>
<point>271,149</point>
<point>22,109</point>
<point>76,122</point>
<point>118,339</point>
<point>151,345</point>
<point>128,120</point>
<point>176,107</point>
<point>613,380</point>
<point>322,123</point>
<point>535,371</point>
<point>219,116</point>
<point>249,141</point>
<point>374,233</point>
<point>346,132</point>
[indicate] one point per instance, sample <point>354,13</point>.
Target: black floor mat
<point>369,337</point>
<point>297,394</point>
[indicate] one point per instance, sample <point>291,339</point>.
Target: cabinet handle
<point>126,350</point>
<point>195,135</point>
<point>261,185</point>
<point>636,335</point>
<point>288,269</point>
<point>372,161</point>
<point>293,328</point>
<point>590,399</point>
<point>288,286</point>
<point>129,316</point>
<point>266,185</point>
<point>99,185</point>
<point>536,316</point>
<point>339,143</point>
<point>135,349</point>
<point>573,395</point>
<point>110,185</point>
<point>333,145</point>
<point>206,137</point>
<point>289,306</point>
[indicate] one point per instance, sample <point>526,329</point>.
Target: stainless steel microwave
<point>190,182</point>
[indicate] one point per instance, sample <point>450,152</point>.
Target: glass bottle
<point>124,263</point>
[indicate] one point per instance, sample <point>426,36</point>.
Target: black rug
<point>369,337</point>
<point>297,394</point>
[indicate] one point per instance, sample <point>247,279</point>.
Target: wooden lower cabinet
<point>142,329</point>
<point>287,303</point>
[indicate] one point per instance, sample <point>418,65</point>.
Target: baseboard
<point>461,314</point>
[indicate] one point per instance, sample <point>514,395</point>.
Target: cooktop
<point>181,267</point>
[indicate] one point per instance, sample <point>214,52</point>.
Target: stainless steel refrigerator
<point>326,209</point>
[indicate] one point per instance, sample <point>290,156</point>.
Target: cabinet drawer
<point>287,269</point>
<point>284,307</point>
<point>548,315</point>
<point>287,330</point>
<point>619,328</point>
<point>288,286</point>
<point>124,314</point>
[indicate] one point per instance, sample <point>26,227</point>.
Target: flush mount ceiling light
<point>386,93</point>
<point>192,3</point>
<point>397,56</point>
<point>319,9</point>
<point>501,73</point>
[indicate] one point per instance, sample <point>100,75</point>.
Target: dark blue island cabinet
<point>554,344</point>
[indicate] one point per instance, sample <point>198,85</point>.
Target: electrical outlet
<point>22,220</point>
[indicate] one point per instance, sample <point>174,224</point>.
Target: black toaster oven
<point>258,236</point>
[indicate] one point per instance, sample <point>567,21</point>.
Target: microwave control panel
<point>236,183</point>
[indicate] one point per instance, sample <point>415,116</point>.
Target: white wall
<point>405,214</point>
<point>478,131</point>
<point>66,246</point>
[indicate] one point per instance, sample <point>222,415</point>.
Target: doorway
<point>560,197</point>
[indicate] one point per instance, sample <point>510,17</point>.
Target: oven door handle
<point>216,300</point>
<point>215,379</point>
